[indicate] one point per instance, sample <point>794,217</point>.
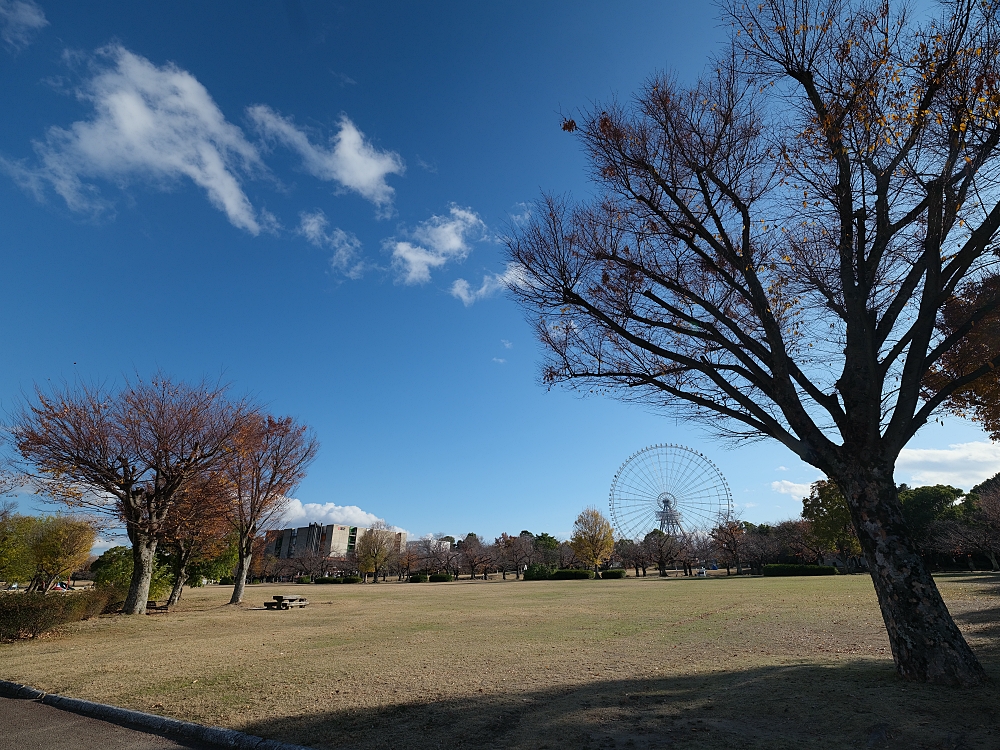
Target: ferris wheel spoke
<point>698,489</point>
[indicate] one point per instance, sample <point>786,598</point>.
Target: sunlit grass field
<point>635,663</point>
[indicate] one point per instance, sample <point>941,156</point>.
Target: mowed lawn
<point>647,663</point>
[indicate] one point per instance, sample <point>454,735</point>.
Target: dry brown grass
<point>740,663</point>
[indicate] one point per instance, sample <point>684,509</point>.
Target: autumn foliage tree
<point>266,460</point>
<point>770,248</point>
<point>126,453</point>
<point>593,539</point>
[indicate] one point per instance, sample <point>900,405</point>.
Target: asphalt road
<point>29,725</point>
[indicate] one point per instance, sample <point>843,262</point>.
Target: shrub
<point>571,574</point>
<point>303,579</point>
<point>113,570</point>
<point>786,569</point>
<point>350,579</point>
<point>440,578</point>
<point>537,572</point>
<point>224,581</point>
<point>30,615</point>
<point>418,578</point>
<point>613,573</point>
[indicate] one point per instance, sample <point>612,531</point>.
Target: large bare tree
<point>769,248</point>
<point>126,453</point>
<point>267,459</point>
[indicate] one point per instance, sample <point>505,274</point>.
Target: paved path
<point>30,725</point>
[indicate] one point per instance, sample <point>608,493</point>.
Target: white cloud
<point>499,360</point>
<point>782,468</point>
<point>158,124</point>
<point>299,513</point>
<point>506,344</point>
<point>345,245</point>
<point>795,490</point>
<point>351,161</point>
<point>103,545</point>
<point>962,465</point>
<point>19,20</point>
<point>492,283</point>
<point>435,242</point>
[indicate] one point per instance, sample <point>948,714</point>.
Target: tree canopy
<point>770,248</point>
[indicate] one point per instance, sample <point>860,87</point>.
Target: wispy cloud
<point>345,245</point>
<point>962,465</point>
<point>433,243</point>
<point>506,344</point>
<point>492,283</point>
<point>794,489</point>
<point>350,160</point>
<point>20,20</point>
<point>326,513</point>
<point>500,360</point>
<point>153,123</point>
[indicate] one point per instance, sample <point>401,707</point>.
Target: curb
<point>163,725</point>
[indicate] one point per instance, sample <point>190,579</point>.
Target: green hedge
<point>303,579</point>
<point>439,577</point>
<point>350,579</point>
<point>537,572</point>
<point>571,574</point>
<point>613,573</point>
<point>418,578</point>
<point>787,569</point>
<point>30,615</point>
<point>332,579</point>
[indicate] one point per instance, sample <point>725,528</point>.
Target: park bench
<point>152,606</point>
<point>286,602</point>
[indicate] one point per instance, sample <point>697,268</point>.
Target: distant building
<point>333,540</point>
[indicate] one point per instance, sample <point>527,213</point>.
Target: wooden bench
<point>286,602</point>
<point>152,606</point>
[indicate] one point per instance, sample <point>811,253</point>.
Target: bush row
<point>30,615</point>
<point>433,577</point>
<point>790,569</point>
<point>335,579</point>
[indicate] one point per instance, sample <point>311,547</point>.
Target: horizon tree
<point>593,540</point>
<point>126,453</point>
<point>769,248</point>
<point>266,460</point>
<point>375,548</point>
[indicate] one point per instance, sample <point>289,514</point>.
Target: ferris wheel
<point>672,488</point>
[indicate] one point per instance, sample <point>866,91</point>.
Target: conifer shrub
<point>439,577</point>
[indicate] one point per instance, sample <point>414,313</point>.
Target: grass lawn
<point>676,663</point>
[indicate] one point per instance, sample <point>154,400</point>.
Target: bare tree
<point>770,248</point>
<point>475,554</point>
<point>729,538</point>
<point>267,460</point>
<point>126,454</point>
<point>660,548</point>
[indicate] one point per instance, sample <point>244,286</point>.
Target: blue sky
<point>305,199</point>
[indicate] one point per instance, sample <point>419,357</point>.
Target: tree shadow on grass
<point>849,704</point>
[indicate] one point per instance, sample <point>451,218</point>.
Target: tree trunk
<point>180,572</point>
<point>926,644</point>
<point>242,569</point>
<point>143,554</point>
<point>180,578</point>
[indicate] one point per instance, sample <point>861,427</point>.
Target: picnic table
<point>286,602</point>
